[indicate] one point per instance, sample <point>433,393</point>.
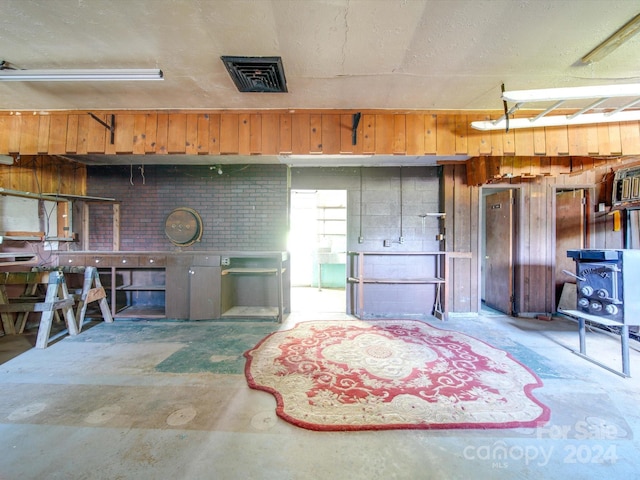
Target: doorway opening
<point>318,246</point>
<point>497,279</point>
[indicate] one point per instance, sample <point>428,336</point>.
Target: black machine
<point>608,293</point>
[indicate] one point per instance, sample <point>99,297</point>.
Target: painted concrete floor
<point>168,400</point>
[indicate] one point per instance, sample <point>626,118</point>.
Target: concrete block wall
<point>244,208</point>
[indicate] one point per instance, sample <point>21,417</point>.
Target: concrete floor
<point>111,404</point>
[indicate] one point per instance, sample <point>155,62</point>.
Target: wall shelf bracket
<point>111,128</point>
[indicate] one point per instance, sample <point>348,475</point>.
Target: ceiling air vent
<point>256,74</point>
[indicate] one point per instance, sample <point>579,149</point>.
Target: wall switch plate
<point>401,240</point>
<point>360,239</point>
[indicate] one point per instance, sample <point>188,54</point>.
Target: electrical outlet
<point>225,261</point>
<point>387,243</point>
<point>401,240</point>
<point>360,239</point>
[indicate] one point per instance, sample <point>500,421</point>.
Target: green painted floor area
<point>208,346</point>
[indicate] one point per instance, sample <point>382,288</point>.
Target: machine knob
<point>611,309</point>
<point>587,290</point>
<point>583,302</point>
<point>602,293</point>
<point>596,306</point>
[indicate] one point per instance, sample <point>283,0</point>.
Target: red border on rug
<point>280,405</point>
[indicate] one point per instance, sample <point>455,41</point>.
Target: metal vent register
<point>256,74</point>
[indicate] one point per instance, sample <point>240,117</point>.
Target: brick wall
<point>245,208</point>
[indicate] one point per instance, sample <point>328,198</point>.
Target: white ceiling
<point>337,54</point>
<point>361,54</point>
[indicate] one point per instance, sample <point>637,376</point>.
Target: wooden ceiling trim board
<point>523,142</point>
<point>177,133</point>
<point>244,134</point>
<point>43,135</point>
<point>58,134</point>
<point>285,145</point>
<point>256,134</point>
<point>300,133</point>
<point>73,122</point>
<point>630,137</point>
<point>191,135</point>
<point>270,133</point>
<point>214,134</point>
<point>331,134</point>
<point>315,133</point>
<point>162,134</point>
<point>346,130</point>
<point>384,134</point>
<point>399,134</point>
<point>124,133</point>
<point>539,142</point>
<point>578,140</point>
<point>229,134</point>
<point>593,147</point>
<point>202,141</point>
<point>139,129</point>
<point>604,143</point>
<point>462,141</point>
<point>615,141</point>
<point>415,134</point>
<point>151,130</point>
<point>368,122</point>
<point>29,135</point>
<point>446,137</point>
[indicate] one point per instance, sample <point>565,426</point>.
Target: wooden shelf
<point>159,288</point>
<point>358,279</point>
<point>252,312</point>
<point>250,271</point>
<point>140,312</point>
<point>417,281</point>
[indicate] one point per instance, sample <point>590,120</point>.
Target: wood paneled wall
<point>43,174</point>
<point>485,169</point>
<point>535,232</point>
<point>305,132</point>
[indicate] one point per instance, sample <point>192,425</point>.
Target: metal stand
<point>624,340</point>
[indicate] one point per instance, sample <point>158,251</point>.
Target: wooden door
<point>498,273</point>
<point>204,293</point>
<point>570,234</point>
<point>177,286</point>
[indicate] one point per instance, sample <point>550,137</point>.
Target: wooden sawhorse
<point>92,291</point>
<point>14,312</point>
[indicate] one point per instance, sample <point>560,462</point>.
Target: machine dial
<point>596,306</point>
<point>587,290</point>
<point>611,309</point>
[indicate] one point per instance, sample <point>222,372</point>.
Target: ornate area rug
<point>391,374</point>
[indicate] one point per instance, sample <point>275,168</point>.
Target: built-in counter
<point>193,285</point>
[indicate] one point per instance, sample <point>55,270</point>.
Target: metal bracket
<point>506,112</point>
<point>354,128</point>
<point>111,128</point>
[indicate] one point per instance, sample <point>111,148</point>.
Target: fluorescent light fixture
<point>557,121</point>
<point>598,93</point>
<point>572,93</point>
<point>623,34</point>
<point>80,75</point>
